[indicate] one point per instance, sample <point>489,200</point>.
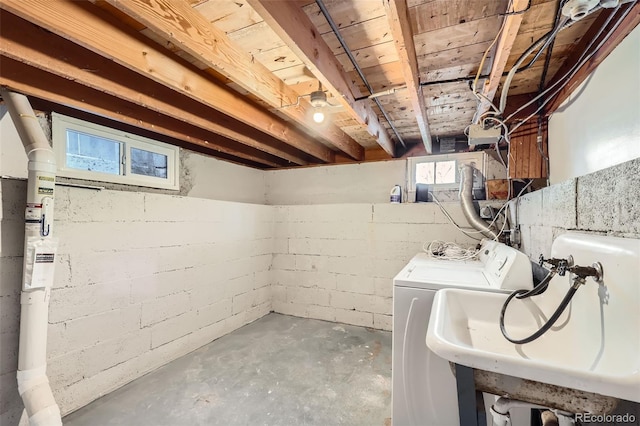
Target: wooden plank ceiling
<point>233,78</point>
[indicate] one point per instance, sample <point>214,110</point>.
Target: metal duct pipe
<point>37,273</point>
<point>466,201</point>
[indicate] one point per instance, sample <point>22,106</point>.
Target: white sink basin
<point>594,346</point>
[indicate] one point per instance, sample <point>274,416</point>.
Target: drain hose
<point>546,326</point>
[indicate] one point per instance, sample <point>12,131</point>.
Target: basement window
<point>90,151</point>
<point>442,172</point>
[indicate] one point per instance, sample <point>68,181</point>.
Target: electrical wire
<point>453,222</point>
<point>474,86</point>
<point>449,251</point>
<point>582,60</point>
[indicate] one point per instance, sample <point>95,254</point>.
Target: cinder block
<point>355,284</point>
<point>284,261</point>
<point>206,292</point>
<point>388,232</point>
<point>62,274</point>
<point>364,319</point>
<point>90,330</point>
<point>383,322</point>
<point>91,388</point>
<point>243,302</point>
<point>10,276</point>
<point>9,358</point>
<point>530,209</point>
<point>100,206</point>
<point>12,238</point>
<point>10,403</point>
<point>278,293</point>
<point>608,199</point>
<point>310,263</point>
<point>14,199</point>
<point>404,213</point>
<point>173,328</point>
<point>10,313</point>
<point>359,265</point>
<point>208,334</point>
<point>213,313</point>
<point>87,362</point>
<point>75,302</point>
<point>263,278</point>
<point>287,308</point>
<point>165,307</point>
<point>325,313</point>
<point>383,287</point>
<point>384,268</point>
<point>240,285</point>
<point>541,238</point>
<point>308,296</point>
<point>559,205</point>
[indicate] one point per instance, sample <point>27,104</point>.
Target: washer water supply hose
<point>561,266</point>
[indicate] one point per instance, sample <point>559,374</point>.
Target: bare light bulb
<point>318,117</point>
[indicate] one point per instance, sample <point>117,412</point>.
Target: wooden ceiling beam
<point>177,21</point>
<point>293,26</point>
<point>398,15</point>
<point>34,82</point>
<point>102,33</point>
<point>628,23</point>
<point>501,56</point>
<point>28,43</point>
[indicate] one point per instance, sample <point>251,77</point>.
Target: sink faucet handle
<point>560,266</point>
<point>582,272</point>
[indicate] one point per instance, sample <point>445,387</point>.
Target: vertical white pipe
<point>33,384</point>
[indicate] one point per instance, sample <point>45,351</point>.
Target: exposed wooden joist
<point>398,15</point>
<point>631,20</point>
<point>97,30</point>
<point>294,27</point>
<point>33,82</point>
<point>25,42</point>
<point>176,21</point>
<point>503,49</point>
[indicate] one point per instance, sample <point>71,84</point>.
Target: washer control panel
<point>505,267</point>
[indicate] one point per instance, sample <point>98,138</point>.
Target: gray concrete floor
<point>279,370</point>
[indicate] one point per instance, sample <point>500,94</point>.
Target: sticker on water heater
<point>45,191</point>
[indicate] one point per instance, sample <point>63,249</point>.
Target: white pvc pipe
<point>39,254</point>
<point>500,410</point>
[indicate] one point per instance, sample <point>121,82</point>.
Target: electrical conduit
<point>39,257</point>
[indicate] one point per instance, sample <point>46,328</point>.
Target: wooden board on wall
<point>525,160</point>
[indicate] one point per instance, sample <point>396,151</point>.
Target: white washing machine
<point>423,385</point>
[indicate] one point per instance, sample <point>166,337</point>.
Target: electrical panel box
<point>478,135</point>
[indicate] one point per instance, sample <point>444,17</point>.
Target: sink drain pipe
<point>501,417</point>
<point>37,274</point>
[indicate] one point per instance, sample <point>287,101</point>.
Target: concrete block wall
<point>336,262</point>
<point>141,279</point>
<point>606,202</point>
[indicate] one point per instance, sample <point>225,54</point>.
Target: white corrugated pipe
<point>39,260</point>
<point>466,200</point>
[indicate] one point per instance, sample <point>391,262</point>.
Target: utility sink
<point>593,347</point>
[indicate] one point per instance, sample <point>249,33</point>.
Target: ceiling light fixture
<point>319,101</point>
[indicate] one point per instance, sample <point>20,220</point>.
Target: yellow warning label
<point>47,178</point>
